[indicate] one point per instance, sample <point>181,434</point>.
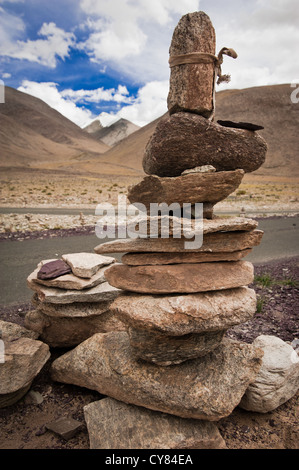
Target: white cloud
<point>6,75</point>
<point>265,39</point>
<point>57,42</point>
<point>133,36</point>
<point>47,91</point>
<point>118,95</point>
<point>149,105</point>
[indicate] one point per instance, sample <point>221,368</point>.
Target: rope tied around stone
<point>205,58</point>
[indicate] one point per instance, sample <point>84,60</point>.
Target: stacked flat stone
<point>176,303</point>
<point>191,160</point>
<point>72,306</point>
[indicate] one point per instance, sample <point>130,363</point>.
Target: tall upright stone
<point>192,85</point>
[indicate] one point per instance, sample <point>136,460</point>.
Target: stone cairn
<point>150,331</point>
<point>177,304</point>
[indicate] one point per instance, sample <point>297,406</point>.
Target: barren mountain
<point>114,133</point>
<point>36,136</point>
<point>269,106</point>
<point>93,127</point>
<point>32,134</point>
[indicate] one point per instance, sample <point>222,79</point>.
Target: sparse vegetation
<point>260,304</point>
<point>265,280</point>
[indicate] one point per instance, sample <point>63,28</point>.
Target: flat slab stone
<point>190,188</point>
<point>65,427</point>
<point>192,85</point>
<point>23,360</point>
<point>74,310</point>
<point>100,293</point>
<point>65,332</point>
<point>187,140</point>
<point>68,281</point>
<point>177,226</point>
<point>142,259</point>
<point>241,125</point>
<point>180,278</point>
<point>184,314</point>
<point>278,378</point>
<point>112,424</point>
<point>86,265</point>
<point>224,242</point>
<point>167,350</point>
<point>11,331</point>
<point>207,388</point>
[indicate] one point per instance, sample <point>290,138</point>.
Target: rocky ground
<point>23,424</point>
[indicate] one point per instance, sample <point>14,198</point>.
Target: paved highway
<point>19,259</point>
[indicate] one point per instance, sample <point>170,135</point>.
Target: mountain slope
<point>33,134</point>
<point>114,133</point>
<point>269,106</point>
<point>93,127</point>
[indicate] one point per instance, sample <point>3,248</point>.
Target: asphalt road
<point>19,259</point>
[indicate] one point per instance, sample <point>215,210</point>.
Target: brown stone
<point>180,278</point>
<point>12,331</point>
<point>192,85</point>
<point>142,259</point>
<point>74,310</point>
<point>23,360</point>
<point>115,425</point>
<point>191,188</point>
<point>173,226</point>
<point>64,332</point>
<point>187,140</point>
<point>9,399</point>
<point>100,293</point>
<point>65,427</point>
<point>184,314</point>
<point>167,350</point>
<point>220,242</point>
<point>207,388</point>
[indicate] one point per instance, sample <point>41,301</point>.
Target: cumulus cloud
<point>133,35</point>
<point>265,38</point>
<point>119,95</point>
<point>149,104</point>
<point>57,42</point>
<point>48,92</point>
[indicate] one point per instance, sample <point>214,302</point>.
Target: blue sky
<point>109,58</point>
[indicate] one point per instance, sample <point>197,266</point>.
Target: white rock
<point>86,265</point>
<point>278,378</point>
